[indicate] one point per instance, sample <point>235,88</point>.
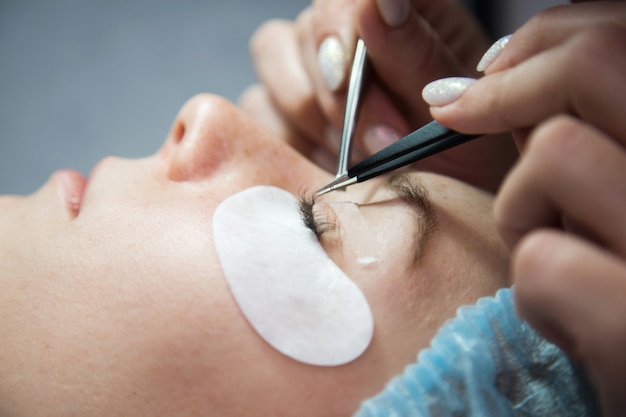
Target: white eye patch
<point>285,284</point>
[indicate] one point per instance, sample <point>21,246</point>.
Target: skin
<point>113,301</point>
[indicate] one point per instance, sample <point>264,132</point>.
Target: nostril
<point>178,132</point>
<point>201,139</point>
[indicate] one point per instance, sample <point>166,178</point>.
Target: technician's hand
<point>304,65</point>
<point>561,78</point>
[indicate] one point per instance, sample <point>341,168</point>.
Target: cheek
<point>478,257</point>
<point>406,316</point>
<point>185,344</point>
<point>113,319</point>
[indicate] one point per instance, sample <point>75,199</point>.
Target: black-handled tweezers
<point>425,141</point>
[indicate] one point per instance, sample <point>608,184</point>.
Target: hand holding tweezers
<point>425,141</point>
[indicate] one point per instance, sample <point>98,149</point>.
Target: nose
<point>211,137</point>
<point>199,141</point>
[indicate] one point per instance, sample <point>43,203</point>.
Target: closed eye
<point>314,220</point>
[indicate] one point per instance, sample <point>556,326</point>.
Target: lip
<point>71,186</point>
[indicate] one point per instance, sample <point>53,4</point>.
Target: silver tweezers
<point>425,141</point>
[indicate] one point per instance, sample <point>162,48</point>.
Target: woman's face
<point>113,301</point>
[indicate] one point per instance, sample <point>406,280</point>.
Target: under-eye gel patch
<point>285,284</point>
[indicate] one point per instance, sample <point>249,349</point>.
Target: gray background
<point>82,79</point>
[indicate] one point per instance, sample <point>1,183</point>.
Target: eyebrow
<point>411,191</point>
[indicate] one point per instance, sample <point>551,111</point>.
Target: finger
<point>574,294</point>
<point>326,59</point>
<point>404,58</point>
<point>426,45</point>
<point>568,169</point>
<point>554,26</point>
<point>379,122</point>
<point>278,64</point>
<point>583,77</point>
<point>404,55</point>
<point>332,20</point>
<point>256,102</point>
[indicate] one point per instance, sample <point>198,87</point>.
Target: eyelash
<point>314,221</point>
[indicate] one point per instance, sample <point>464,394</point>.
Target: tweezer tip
<point>339,183</point>
<point>328,189</point>
<point>323,191</point>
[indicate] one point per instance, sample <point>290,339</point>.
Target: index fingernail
<point>332,61</point>
<point>492,53</point>
<point>446,90</point>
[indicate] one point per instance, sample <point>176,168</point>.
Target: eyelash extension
<point>317,225</point>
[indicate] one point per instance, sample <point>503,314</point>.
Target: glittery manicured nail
<point>394,12</point>
<point>332,60</point>
<point>492,53</point>
<point>446,90</point>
